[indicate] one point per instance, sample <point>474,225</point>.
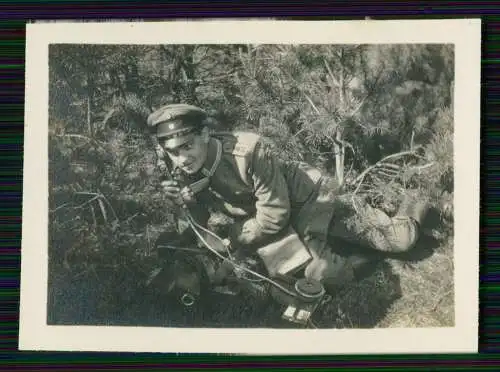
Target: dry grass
<point>404,292</point>
<point>427,289</point>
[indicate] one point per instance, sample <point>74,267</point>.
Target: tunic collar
<point>213,159</point>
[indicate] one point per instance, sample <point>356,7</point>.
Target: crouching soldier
<point>236,174</point>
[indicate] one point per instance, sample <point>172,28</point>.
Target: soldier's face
<point>190,155</point>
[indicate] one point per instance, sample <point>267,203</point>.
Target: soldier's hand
<point>174,192</point>
<point>171,189</point>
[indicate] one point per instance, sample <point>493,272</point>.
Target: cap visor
<point>172,143</point>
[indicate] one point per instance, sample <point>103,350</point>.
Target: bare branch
<point>87,193</point>
<point>412,138</point>
<point>330,73</point>
<point>358,107</point>
<point>87,202</point>
<point>422,167</point>
<point>59,207</point>
<point>387,174</point>
<point>93,216</point>
<point>96,196</point>
<point>389,165</point>
<point>75,136</point>
<point>312,104</point>
<point>148,253</point>
<point>343,143</point>
<point>359,180</point>
<point>102,197</point>
<point>103,209</point>
<point>80,136</point>
<point>108,116</point>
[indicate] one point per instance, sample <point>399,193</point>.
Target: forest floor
<point>416,290</point>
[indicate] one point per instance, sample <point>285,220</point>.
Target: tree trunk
<point>339,157</point>
<point>339,148</point>
<point>90,101</point>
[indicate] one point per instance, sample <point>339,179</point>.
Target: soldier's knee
<point>332,270</point>
<point>316,269</point>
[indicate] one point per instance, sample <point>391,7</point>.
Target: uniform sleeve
<point>272,199</point>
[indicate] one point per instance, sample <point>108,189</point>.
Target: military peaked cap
<point>176,120</point>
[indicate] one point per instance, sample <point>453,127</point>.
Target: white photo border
<point>35,334</point>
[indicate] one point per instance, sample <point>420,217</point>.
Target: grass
<point>427,289</point>
<point>416,290</point>
<point>398,294</point>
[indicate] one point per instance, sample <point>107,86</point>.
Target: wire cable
<point>195,226</point>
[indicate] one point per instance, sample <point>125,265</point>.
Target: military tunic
<point>243,180</point>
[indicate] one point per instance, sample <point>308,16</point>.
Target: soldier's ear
<point>205,134</point>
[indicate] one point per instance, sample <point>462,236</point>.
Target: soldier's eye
<point>187,146</point>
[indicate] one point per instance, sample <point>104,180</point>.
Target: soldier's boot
<point>344,272</point>
<point>363,266</point>
<point>414,206</point>
<point>413,210</point>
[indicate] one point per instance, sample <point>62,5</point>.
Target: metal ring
<point>188,299</point>
<point>307,295</point>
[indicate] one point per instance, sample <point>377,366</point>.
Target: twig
<point>358,107</point>
<point>393,166</point>
<point>59,207</point>
<point>149,240</point>
<point>80,136</point>
<point>108,116</point>
<point>384,168</point>
<point>322,153</point>
<point>330,73</point>
<point>87,202</point>
<point>387,174</point>
<point>103,209</point>
<point>75,136</point>
<point>343,143</point>
<point>96,196</point>
<point>299,131</point>
<point>361,177</point>
<point>93,216</point>
<point>66,223</point>
<point>86,193</point>
<point>422,167</point>
<point>110,207</point>
<point>131,217</point>
<point>312,104</point>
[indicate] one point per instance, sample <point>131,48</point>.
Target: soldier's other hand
<point>244,233</point>
<point>187,194</point>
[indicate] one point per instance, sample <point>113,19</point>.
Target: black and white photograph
<point>251,186</point>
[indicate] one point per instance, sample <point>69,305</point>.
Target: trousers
<point>357,223</point>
